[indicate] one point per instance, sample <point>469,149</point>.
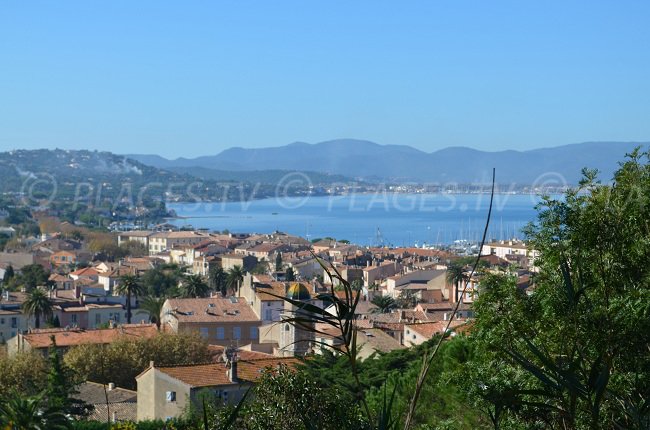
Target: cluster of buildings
<point>248,330</point>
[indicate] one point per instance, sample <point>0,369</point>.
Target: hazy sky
<point>192,78</point>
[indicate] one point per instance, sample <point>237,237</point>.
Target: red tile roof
<point>214,374</point>
<point>217,309</point>
<point>73,337</point>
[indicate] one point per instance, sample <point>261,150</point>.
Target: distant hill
<point>94,177</point>
<point>257,176</point>
<point>364,159</point>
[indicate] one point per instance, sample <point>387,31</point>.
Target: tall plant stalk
<point>428,359</point>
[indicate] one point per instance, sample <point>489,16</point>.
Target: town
<point>230,291</point>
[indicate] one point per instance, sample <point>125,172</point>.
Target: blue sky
<point>193,78</point>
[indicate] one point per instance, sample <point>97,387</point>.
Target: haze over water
<point>368,219</point>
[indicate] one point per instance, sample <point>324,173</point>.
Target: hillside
<point>358,158</point>
<point>106,179</point>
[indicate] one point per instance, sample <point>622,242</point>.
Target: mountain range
<point>400,163</point>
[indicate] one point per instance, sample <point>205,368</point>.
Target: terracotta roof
<point>364,323</point>
<point>73,337</point>
<point>378,340</point>
<point>87,271</point>
<point>262,291</point>
<point>263,279</point>
<point>266,247</point>
<point>214,374</point>
<point>217,309</point>
<point>428,329</point>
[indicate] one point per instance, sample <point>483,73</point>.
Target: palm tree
<point>384,304</point>
<point>235,278</point>
<point>18,412</point>
<point>129,285</point>
<point>154,306</point>
<point>456,276</point>
<point>38,305</point>
<point>193,286</point>
<point>218,280</point>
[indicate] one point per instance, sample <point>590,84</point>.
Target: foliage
<point>218,280</point>
<point>38,305</point>
<point>162,281</point>
<point>286,400</point>
<point>172,424</point>
<point>121,361</point>
<point>61,385</point>
<point>20,412</point>
<point>575,354</point>
<point>30,276</point>
<point>289,275</point>
<point>129,285</point>
<point>9,273</point>
<point>278,261</point>
<point>23,372</point>
<point>153,305</point>
<point>384,304</point>
<point>235,277</point>
<point>193,286</point>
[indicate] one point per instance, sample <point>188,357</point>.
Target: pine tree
<point>9,273</point>
<point>61,386</point>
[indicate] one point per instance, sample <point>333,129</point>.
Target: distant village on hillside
<point>230,290</point>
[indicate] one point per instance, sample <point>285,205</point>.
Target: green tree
<point>218,280</point>
<point>193,286</point>
<point>574,354</point>
<point>284,399</point>
<point>153,305</point>
<point>235,277</point>
<point>38,305</point>
<point>33,275</point>
<point>19,412</point>
<point>278,262</point>
<point>61,386</point>
<point>289,275</point>
<point>457,277</point>
<point>23,372</point>
<point>9,273</point>
<point>162,281</point>
<point>122,360</point>
<point>384,304</point>
<point>129,286</point>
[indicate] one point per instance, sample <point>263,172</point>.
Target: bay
<point>393,219</point>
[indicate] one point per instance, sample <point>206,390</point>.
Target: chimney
<point>231,363</point>
<point>111,386</point>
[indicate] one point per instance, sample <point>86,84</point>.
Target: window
<point>221,333</point>
<point>204,332</point>
<point>14,322</point>
<point>236,332</point>
<point>2,321</point>
<point>98,319</point>
<point>254,333</point>
<point>73,318</point>
<point>170,396</point>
